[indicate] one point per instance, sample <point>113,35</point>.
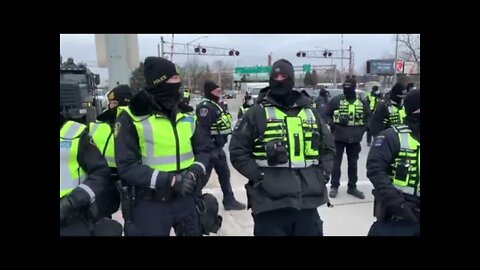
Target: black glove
<point>184,183</point>
<point>404,211</point>
<point>66,208</point>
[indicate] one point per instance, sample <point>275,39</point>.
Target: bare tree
<point>409,47</point>
<point>137,80</point>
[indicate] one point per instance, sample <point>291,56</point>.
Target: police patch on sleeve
<point>203,112</point>
<point>117,129</point>
<point>379,140</point>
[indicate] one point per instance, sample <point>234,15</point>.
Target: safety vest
<point>409,159</point>
<point>224,122</point>
<point>71,174</point>
<point>295,131</point>
<point>354,112</point>
<point>395,116</point>
<point>373,101</point>
<point>165,147</point>
<point>102,135</point>
<point>186,94</point>
<point>243,110</point>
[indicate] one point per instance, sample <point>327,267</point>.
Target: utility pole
<point>341,63</point>
<point>162,43</point>
<point>395,61</point>
<point>350,61</point>
<point>335,76</point>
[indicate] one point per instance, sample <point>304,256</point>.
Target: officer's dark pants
<point>288,222</point>
<point>153,217</point>
<point>353,150</point>
<point>221,167</point>
<point>394,228</point>
<point>103,227</point>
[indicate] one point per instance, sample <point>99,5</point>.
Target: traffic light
<point>198,50</point>
<point>329,54</point>
<point>325,54</point>
<point>234,52</point>
<point>301,54</point>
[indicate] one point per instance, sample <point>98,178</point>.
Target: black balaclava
<point>123,94</point>
<point>412,104</point>
<point>376,92</point>
<point>157,72</point>
<point>397,93</point>
<point>208,87</point>
<point>324,93</point>
<point>281,91</point>
<point>349,87</point>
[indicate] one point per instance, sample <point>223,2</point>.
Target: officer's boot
<point>230,203</point>
<point>356,193</point>
<point>333,192</point>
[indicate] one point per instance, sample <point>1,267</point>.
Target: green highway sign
<point>255,69</point>
<point>307,67</point>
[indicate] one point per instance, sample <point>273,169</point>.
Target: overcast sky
<point>253,48</point>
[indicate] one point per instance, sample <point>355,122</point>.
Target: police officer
<point>393,167</point>
<point>247,103</point>
<point>389,112</point>
<point>186,96</point>
<point>373,98</point>
<point>84,176</point>
<point>284,149</point>
<point>102,133</point>
<point>161,152</point>
<point>348,116</point>
<point>214,117</point>
<point>322,101</point>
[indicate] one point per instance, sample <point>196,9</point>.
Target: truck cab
<point>78,91</point>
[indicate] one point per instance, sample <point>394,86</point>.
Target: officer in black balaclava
<point>389,112</point>
<point>287,163</point>
<point>247,103</point>
<point>373,100</point>
<point>322,101</point>
<point>102,133</point>
<point>160,155</point>
<point>348,116</point>
<point>212,115</point>
<point>397,184</point>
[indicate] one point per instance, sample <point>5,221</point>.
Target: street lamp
<point>188,58</point>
